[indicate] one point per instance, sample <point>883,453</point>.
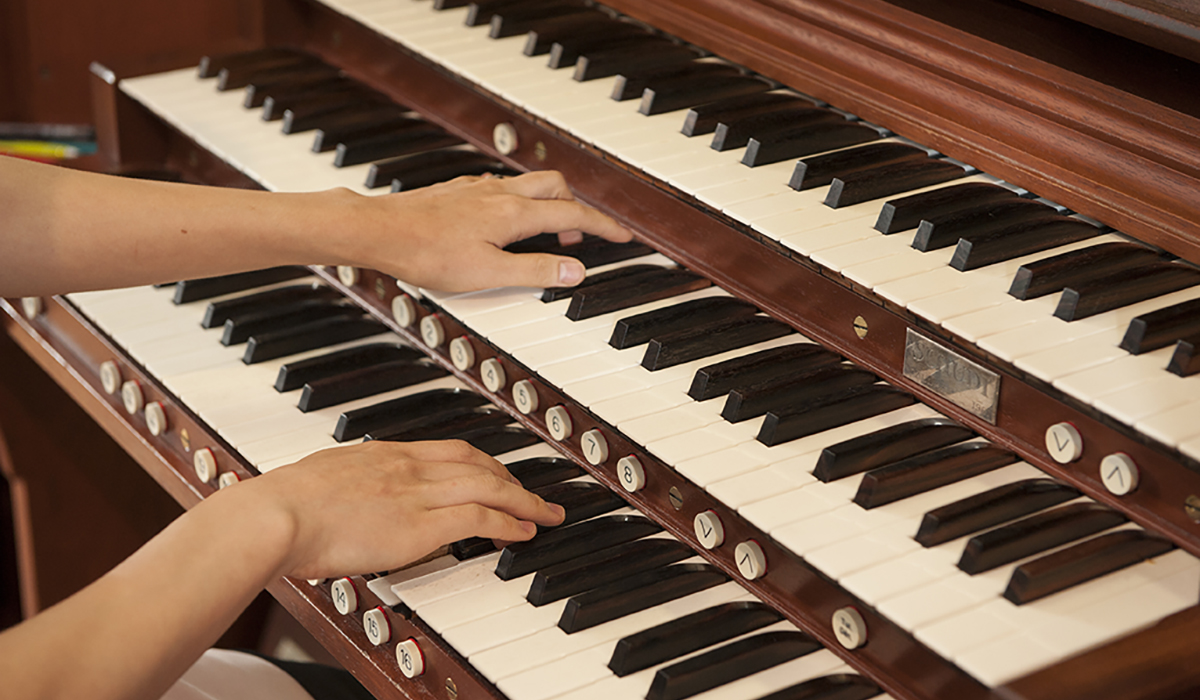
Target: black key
<point>393,143</point>
<point>681,636</point>
<point>211,66</point>
<point>536,472</point>
<point>763,125</point>
<point>295,375</point>
<point>697,90</point>
<point>564,544</point>
<point>238,76</point>
<point>557,293</point>
<point>1083,562</point>
<point>1035,534</point>
<point>783,392</point>
<point>242,327</point>
<point>605,566</point>
<point>818,171</point>
<point>886,180</point>
<point>1053,274</point>
<point>501,439</point>
<point>633,290</point>
<point>365,124</point>
<point>755,368</point>
<point>652,56</point>
<point>428,168</point>
<point>632,87</point>
<point>220,311</point>
<point>471,547</point>
<point>637,593</point>
<point>929,471</point>
<point>855,405</point>
<point>836,686</point>
<point>316,100</point>
<point>907,212</point>
<point>944,231</point>
<point>451,424</point>
<point>679,347</point>
<point>635,330</point>
<point>703,119</point>
<point>592,251</point>
<point>310,336</point>
<point>729,663</point>
<point>511,23</point>
<point>564,54</point>
<point>320,115</point>
<point>1125,288</point>
<point>990,508</point>
<point>367,381</point>
<point>481,12</point>
<point>892,444</point>
<point>807,141</point>
<point>357,423</point>
<point>187,291</point>
<point>449,4</point>
<point>565,30</point>
<point>1185,361</point>
<point>582,500</point>
<point>288,81</point>
<point>1021,239</point>
<point>1162,327</point>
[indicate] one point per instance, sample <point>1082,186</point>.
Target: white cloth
<point>222,674</point>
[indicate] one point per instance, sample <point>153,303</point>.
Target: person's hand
<point>453,233</point>
<point>380,505</point>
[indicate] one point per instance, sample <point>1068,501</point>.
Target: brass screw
<point>186,440</point>
<point>539,151</point>
<point>380,288</point>
<point>675,497</point>
<point>451,689</point>
<point>1191,506</point>
<point>860,327</point>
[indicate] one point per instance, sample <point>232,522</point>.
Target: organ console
<point>882,387</point>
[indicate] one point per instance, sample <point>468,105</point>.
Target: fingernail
<point>558,510</point>
<point>570,273</point>
<point>530,528</point>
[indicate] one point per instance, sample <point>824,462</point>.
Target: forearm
<point>65,230</point>
<point>133,632</point>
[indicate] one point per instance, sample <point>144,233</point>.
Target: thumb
<point>534,270</point>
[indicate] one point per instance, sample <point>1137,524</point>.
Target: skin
<point>369,507</point>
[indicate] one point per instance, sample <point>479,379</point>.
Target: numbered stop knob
<point>410,658</point>
<point>377,626</point>
<point>345,596</point>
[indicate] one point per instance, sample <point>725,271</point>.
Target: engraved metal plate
<point>951,376</point>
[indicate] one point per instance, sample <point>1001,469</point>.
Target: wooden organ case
<point>1097,113</point>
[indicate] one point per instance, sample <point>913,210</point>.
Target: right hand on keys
<point>380,505</point>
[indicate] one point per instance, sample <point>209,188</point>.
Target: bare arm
<point>66,230</point>
<point>137,629</point>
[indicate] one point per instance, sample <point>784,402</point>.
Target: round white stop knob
<point>492,371</point>
<point>462,354</point>
<point>345,596</point>
<point>404,310</point>
<point>631,474</point>
<point>594,446</point>
<point>558,422</point>
<point>709,529</point>
<point>131,396</point>
<point>504,138</point>
<point>525,396</point>
<point>347,275</point>
<point>228,479</point>
<point>410,658</point>
<point>432,332</point>
<point>156,418</point>
<point>750,560</point>
<point>110,377</point>
<point>849,628</point>
<point>205,464</point>
<point>1064,443</point>
<point>1119,473</point>
<point>377,626</point>
<point>32,307</point>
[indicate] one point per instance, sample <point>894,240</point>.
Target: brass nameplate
<point>951,376</point>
